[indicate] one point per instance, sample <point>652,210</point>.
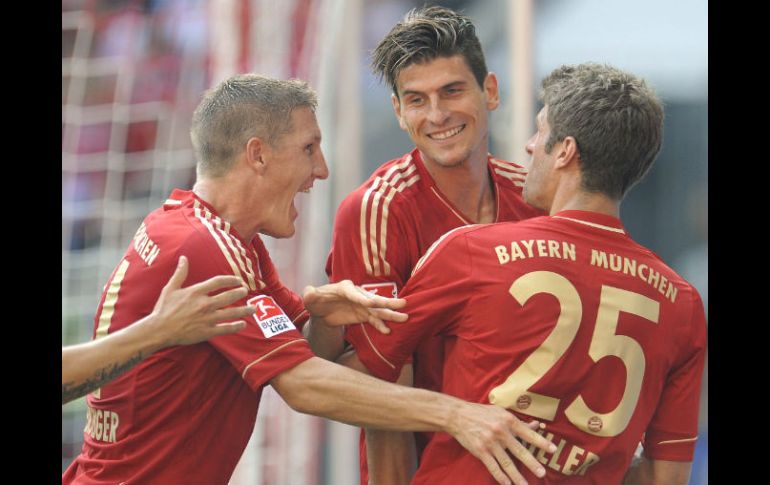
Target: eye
<point>309,149</point>
<point>414,101</point>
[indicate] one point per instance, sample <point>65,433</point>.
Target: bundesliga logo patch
<point>269,316</point>
<point>388,290</point>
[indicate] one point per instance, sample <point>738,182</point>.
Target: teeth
<point>446,134</point>
<point>307,190</point>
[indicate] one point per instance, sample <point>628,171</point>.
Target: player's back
<point>568,321</point>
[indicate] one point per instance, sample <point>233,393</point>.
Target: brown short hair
<point>239,108</point>
<point>616,119</point>
<point>423,35</point>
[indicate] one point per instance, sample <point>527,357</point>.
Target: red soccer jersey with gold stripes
<point>185,414</point>
<point>562,319</point>
<point>383,228</point>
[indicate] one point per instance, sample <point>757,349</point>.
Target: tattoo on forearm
<point>75,389</point>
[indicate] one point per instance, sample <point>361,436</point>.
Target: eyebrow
<point>453,84</point>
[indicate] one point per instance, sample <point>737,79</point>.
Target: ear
<point>397,109</point>
<point>566,152</point>
<point>255,154</point>
<point>492,91</point>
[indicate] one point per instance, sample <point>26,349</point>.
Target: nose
<point>531,144</point>
<point>321,170</point>
<point>437,112</point>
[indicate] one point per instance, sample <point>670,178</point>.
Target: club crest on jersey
<point>269,316</point>
<point>388,290</point>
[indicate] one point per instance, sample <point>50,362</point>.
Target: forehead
<point>304,125</point>
<point>432,75</point>
<point>542,116</point>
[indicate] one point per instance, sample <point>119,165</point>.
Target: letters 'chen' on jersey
<point>562,319</point>
<point>181,415</point>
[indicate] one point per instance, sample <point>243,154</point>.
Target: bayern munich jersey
<point>562,319</point>
<point>185,414</point>
<point>383,228</point>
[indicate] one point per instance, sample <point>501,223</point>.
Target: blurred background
<point>134,70</point>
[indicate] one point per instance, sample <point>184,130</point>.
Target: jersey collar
<point>593,219</point>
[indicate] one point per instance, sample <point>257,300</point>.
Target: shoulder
<point>508,173</point>
<point>388,187</point>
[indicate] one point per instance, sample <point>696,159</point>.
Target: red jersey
<point>563,319</point>
<point>185,414</point>
<point>383,228</point>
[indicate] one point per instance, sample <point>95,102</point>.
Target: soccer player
<point>180,317</point>
<point>564,318</point>
<point>185,414</point>
<point>442,97</point>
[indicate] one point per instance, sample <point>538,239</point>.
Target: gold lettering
<point>528,245</point>
<point>572,460</point>
<point>106,433</point>
<point>541,452</point>
<point>654,276</point>
<point>502,254</point>
<point>615,262</point>
<point>146,249</point>
<point>641,276</point>
<point>142,243</point>
<point>671,293</point>
<point>99,425</point>
<point>629,266</point>
<point>662,286</point>
<point>541,248</point>
<point>516,252</point>
<point>569,250</point>
<point>591,459</point>
<point>114,421</point>
<point>553,249</point>
<point>556,456</point>
<point>153,254</point>
<point>599,258</point>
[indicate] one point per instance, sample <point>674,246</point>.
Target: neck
<point>585,201</point>
<point>226,196</point>
<point>468,186</point>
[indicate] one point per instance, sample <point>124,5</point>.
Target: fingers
<point>509,468</point>
<point>494,468</point>
<point>378,324</point>
<point>230,327</point>
<point>217,283</point>
<point>180,274</point>
<point>233,313</point>
<point>525,457</point>
<point>527,433</point>
<point>388,315</point>
<point>228,297</point>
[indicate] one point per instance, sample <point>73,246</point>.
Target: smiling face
<point>292,164</point>
<point>442,107</point>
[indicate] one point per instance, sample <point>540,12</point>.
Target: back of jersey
<point>607,341</point>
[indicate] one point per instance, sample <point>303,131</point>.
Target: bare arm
<point>658,472</point>
<point>180,317</point>
<point>326,389</point>
<point>391,456</point>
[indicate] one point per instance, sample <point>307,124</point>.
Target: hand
<point>344,303</point>
<point>189,315</point>
<point>488,431</point>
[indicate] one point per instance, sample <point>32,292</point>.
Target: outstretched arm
<point>323,388</point>
<point>180,317</point>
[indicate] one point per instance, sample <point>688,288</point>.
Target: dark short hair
<point>239,108</point>
<point>616,119</point>
<point>423,35</point>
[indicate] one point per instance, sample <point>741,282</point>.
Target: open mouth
<point>447,134</point>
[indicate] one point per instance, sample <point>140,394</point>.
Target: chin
<point>280,233</point>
